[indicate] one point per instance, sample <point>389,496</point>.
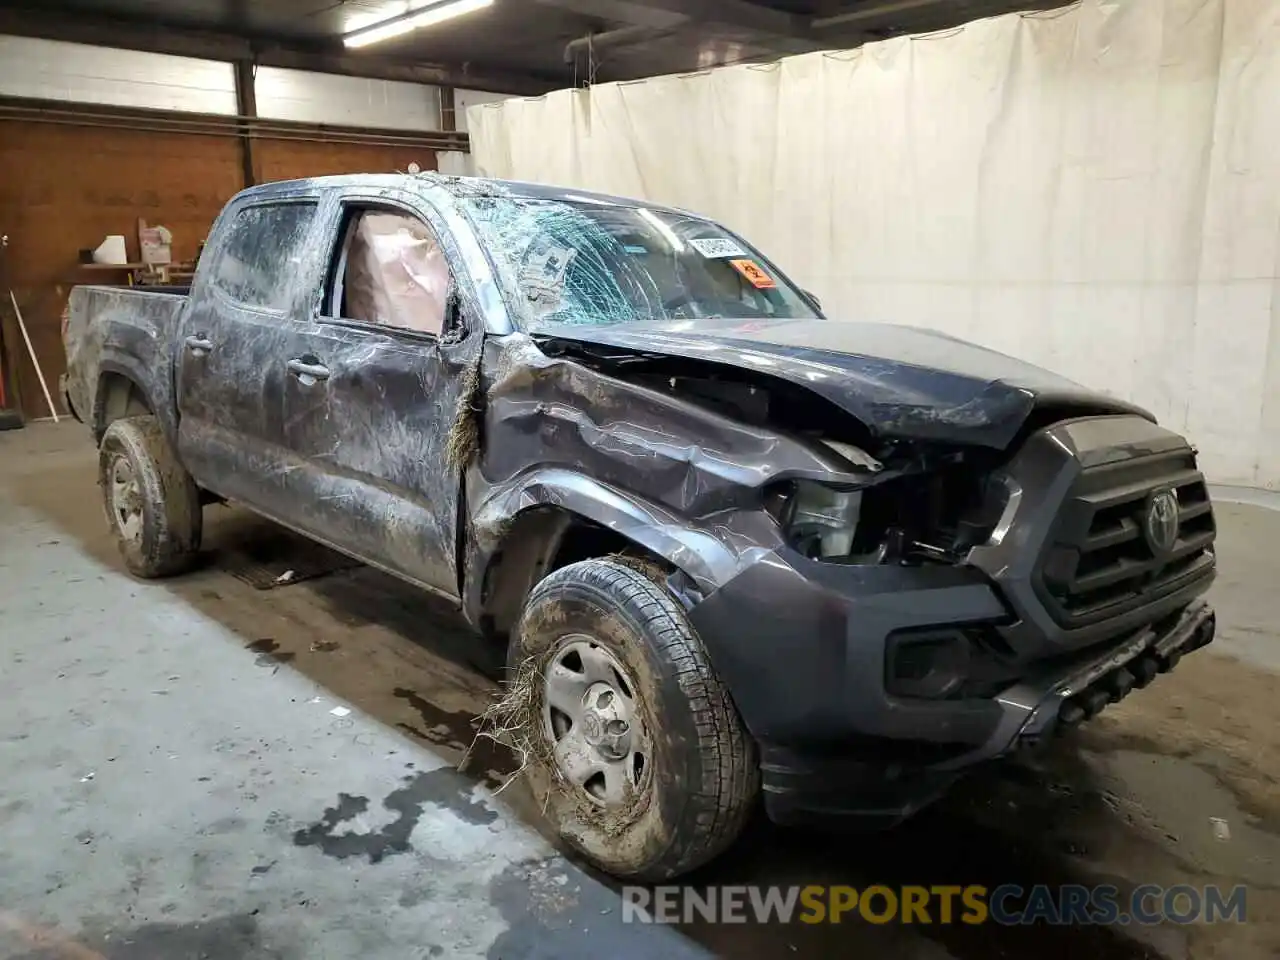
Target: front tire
<point>151,502</point>
<point>635,750</point>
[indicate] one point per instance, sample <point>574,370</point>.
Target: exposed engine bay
<point>908,501</point>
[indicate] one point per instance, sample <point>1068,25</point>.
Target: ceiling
<point>522,45</point>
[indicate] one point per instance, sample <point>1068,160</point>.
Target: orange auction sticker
<point>751,270</point>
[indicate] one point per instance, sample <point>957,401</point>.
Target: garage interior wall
<point>358,102</point>
<point>1095,189</point>
<point>64,188</point>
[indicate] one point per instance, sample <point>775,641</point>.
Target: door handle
<point>308,371</point>
<point>199,344</point>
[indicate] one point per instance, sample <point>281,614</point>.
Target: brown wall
<point>64,188</point>
<point>291,159</point>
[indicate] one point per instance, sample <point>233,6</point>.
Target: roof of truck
<point>460,187</point>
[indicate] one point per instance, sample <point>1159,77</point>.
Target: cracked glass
<point>584,260</point>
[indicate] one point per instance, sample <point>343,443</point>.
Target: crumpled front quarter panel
<point>656,468</point>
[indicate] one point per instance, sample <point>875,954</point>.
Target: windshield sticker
<point>756,276</point>
<point>543,272</point>
<point>717,248</point>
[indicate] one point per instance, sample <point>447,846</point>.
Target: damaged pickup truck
<point>737,551</point>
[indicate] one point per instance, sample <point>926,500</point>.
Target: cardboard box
<point>155,244</point>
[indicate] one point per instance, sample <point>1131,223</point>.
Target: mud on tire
<point>702,776</point>
<point>141,479</point>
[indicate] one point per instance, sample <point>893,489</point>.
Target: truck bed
<point>128,330</point>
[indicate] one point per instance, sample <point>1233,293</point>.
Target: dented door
<point>249,291</point>
<point>370,441</point>
<point>367,412</point>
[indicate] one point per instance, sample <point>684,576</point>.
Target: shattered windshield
<point>591,261</point>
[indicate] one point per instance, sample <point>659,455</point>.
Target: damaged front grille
<point>1115,547</point>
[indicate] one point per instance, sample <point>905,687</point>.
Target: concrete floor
<point>173,782</point>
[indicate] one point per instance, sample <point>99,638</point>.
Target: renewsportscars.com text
<point>1009,904</point>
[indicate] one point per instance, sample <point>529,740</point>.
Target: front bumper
<point>802,646</point>
<point>1036,708</point>
<point>1069,604</point>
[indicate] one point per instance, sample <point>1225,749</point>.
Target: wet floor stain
<point>413,896</point>
<point>1118,742</point>
<point>222,827</point>
<point>1009,824</point>
<point>365,597</point>
<point>483,757</point>
<point>1048,822</point>
<point>554,909</point>
<point>269,654</point>
<point>218,938</point>
<point>445,788</point>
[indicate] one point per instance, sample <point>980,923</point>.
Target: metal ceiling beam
<point>246,106</point>
<point>783,30</point>
<point>737,14</point>
<point>860,13</point>
<point>620,11</point>
<point>61,113</point>
<point>612,39</point>
<point>153,38</point>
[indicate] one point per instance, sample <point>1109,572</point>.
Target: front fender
<point>708,560</point>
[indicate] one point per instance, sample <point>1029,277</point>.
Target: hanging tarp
<point>1095,189</point>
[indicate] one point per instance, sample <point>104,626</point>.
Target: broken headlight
<point>819,521</point>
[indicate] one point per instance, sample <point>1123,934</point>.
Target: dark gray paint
<point>124,332</point>
<point>899,381</point>
<point>567,427</point>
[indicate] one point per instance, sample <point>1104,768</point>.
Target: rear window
<point>263,252</point>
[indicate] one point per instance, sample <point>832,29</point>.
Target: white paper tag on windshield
<point>543,270</point>
<point>717,248</point>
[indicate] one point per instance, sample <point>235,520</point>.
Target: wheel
<point>151,501</point>
<point>635,750</point>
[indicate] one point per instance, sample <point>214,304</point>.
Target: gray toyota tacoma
<point>738,552</point>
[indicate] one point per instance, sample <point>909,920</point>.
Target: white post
<point>31,352</point>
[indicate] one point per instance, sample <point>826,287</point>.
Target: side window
<point>390,271</point>
<point>263,253</point>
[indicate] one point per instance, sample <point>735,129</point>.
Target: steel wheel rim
<point>592,718</point>
<point>126,499</point>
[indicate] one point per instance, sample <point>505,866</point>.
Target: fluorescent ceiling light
<point>415,19</point>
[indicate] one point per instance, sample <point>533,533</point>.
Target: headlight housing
<point>819,521</point>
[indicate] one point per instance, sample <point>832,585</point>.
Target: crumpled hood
<point>898,381</point>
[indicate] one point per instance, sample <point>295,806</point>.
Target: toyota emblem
<point>1161,521</point>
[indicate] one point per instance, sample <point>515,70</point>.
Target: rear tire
<point>642,668</point>
<point>151,502</point>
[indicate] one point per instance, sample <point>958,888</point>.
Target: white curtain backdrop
<point>1095,189</point>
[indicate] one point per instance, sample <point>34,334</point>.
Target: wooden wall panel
<point>291,159</point>
<point>64,188</point>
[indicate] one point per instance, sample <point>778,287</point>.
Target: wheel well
<point>118,397</point>
<point>584,540</point>
<point>539,542</point>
